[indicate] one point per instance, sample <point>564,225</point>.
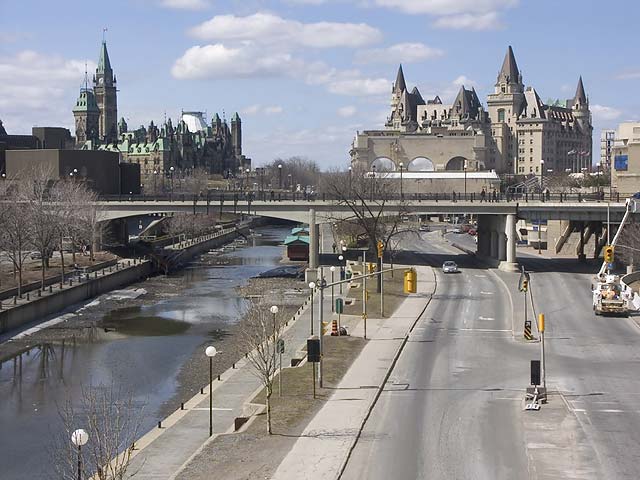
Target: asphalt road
<point>452,405</point>
<point>594,363</point>
<point>452,408</point>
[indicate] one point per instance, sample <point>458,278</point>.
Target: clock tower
<point>105,95</point>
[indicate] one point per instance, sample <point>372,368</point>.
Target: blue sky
<point>306,74</point>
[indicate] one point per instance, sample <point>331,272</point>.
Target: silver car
<point>449,267</point>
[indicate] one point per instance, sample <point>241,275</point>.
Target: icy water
<point>140,348</point>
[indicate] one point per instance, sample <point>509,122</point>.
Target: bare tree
<point>15,233</point>
<point>368,197</point>
<point>42,213</point>
<point>112,420</point>
<point>295,170</point>
<point>259,334</point>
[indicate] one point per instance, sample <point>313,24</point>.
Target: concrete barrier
<point>40,308</point>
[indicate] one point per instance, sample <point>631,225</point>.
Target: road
<point>593,362</point>
<point>451,407</point>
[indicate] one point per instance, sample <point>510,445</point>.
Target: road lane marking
<point>480,276</point>
<point>488,319</point>
<point>605,410</point>
<point>486,293</point>
<point>484,329</point>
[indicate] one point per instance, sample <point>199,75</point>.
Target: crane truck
<point>610,295</point>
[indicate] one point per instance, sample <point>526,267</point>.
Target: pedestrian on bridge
<point>483,195</point>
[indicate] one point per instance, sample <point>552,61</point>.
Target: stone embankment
<point>36,305</point>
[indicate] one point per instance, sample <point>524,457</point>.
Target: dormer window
<point>503,88</point>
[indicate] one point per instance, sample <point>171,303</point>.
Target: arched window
<point>383,164</point>
<point>420,164</point>
<point>456,163</point>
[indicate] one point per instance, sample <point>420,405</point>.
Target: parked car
<point>472,232</point>
<point>424,228</point>
<point>449,267</point>
<point>456,230</point>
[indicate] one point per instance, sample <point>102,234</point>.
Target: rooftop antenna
<point>103,32</point>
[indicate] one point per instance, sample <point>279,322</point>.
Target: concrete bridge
<point>497,234</point>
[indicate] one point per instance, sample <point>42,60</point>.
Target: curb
<point>380,388</point>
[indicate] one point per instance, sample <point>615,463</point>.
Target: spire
<point>235,118</point>
<point>400,84</point>
<point>104,65</point>
<point>509,70</point>
<point>581,97</point>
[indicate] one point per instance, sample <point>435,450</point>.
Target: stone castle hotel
<point>188,145</point>
<point>517,133</point>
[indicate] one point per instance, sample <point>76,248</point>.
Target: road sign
<point>280,346</point>
<point>339,306</point>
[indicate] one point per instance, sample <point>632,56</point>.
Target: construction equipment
<point>610,295</point>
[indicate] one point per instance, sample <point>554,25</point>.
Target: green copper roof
<point>293,239</point>
<point>86,102</point>
<point>235,118</point>
<point>104,65</point>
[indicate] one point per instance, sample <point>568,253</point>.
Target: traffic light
<point>525,285</point>
<point>380,248</point>
<point>608,254</point>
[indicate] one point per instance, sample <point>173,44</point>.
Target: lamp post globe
<point>210,351</point>
<point>312,285</point>
<point>274,309</point>
<point>340,257</point>
<point>333,268</point>
<point>79,437</point>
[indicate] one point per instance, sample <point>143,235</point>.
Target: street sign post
<point>339,309</point>
<point>523,286</point>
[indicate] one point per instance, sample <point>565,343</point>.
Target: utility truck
<point>610,295</point>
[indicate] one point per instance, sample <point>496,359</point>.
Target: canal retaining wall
<point>12,317</point>
<point>37,309</point>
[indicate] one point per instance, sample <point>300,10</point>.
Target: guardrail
<point>215,199</point>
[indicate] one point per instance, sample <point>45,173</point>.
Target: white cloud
<point>463,80</point>
<point>399,53</point>
<point>630,75</point>
<point>359,86</point>
<point>259,109</point>
<point>269,29</point>
<point>219,61</point>
<point>39,88</point>
<point>447,7</point>
<point>470,21</point>
<point>186,4</point>
<point>347,111</point>
<point>601,112</point>
<point>273,110</point>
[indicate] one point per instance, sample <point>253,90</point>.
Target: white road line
<point>606,410</point>
<point>484,330</point>
<point>480,276</point>
<point>486,293</point>
<point>214,408</point>
<point>489,319</point>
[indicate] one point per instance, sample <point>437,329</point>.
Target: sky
<point>305,75</point>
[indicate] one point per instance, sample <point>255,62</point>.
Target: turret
<point>86,115</point>
<point>236,135</point>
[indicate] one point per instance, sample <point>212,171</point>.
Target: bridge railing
<point>216,198</point>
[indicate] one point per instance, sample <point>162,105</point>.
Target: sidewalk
<point>162,452</point>
<point>325,445</point>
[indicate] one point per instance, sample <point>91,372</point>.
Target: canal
<point>139,345</point>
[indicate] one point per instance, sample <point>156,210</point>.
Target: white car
<point>449,267</point>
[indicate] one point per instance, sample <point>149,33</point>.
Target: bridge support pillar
<point>494,244</point>
<point>311,273</point>
<point>510,264</point>
<point>484,236</point>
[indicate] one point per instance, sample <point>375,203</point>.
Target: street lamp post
<point>210,352</point>
<point>541,179</point>
<point>401,190</point>
<point>341,258</point>
<point>171,169</point>
<point>464,167</point>
<point>290,181</point>
<point>312,286</point>
<point>373,182</point>
<point>333,269</point>
<point>79,438</point>
<point>350,175</point>
<point>280,176</point>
